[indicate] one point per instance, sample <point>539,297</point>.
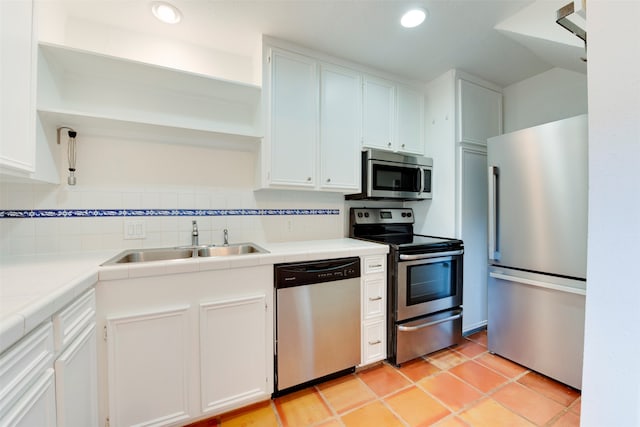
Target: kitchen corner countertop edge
<point>34,287</point>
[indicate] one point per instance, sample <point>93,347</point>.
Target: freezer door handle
<point>494,213</point>
<point>538,283</point>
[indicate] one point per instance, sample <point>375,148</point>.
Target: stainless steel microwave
<point>394,176</point>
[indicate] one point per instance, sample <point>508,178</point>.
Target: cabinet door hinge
<point>106,422</point>
<point>104,335</point>
<point>269,59</point>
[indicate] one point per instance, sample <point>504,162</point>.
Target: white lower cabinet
<point>232,374</point>
<point>183,347</point>
<point>374,341</point>
<point>27,392</point>
<point>148,368</point>
<point>77,382</point>
<point>37,407</point>
<point>374,309</point>
<point>49,377</point>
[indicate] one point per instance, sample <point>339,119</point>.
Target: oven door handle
<point>432,255</point>
<point>426,325</point>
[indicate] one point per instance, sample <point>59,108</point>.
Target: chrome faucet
<point>194,234</point>
<point>226,237</point>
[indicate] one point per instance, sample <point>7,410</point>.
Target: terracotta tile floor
<point>463,385</point>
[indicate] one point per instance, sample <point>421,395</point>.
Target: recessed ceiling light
<point>413,18</point>
<point>166,12</point>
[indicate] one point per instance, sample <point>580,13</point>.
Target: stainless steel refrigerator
<point>538,247</point>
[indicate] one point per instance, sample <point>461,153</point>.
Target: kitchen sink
<point>237,249</point>
<point>184,252</point>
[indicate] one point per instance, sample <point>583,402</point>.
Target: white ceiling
<point>457,34</point>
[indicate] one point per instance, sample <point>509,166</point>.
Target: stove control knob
<point>404,214</point>
<point>409,214</point>
<point>359,214</point>
<point>366,214</point>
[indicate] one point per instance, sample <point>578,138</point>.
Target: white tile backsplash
<point>142,185</point>
<point>48,235</point>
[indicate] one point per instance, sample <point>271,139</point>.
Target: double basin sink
<point>184,252</point>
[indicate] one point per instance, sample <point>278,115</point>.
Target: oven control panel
<point>382,216</point>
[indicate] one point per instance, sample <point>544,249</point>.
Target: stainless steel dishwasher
<point>317,321</point>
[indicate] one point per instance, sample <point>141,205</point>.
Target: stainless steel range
<point>424,282</point>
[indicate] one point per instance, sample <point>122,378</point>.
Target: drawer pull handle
<point>375,298</point>
<point>425,325</point>
<point>374,342</point>
<point>375,265</point>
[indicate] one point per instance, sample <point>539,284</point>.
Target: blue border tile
<point>86,213</point>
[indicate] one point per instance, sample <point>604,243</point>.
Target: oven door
<point>428,283</point>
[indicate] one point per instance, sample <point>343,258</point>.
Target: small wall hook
<point>72,133</point>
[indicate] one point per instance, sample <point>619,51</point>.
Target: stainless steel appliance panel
<point>538,321</point>
<point>428,283</point>
<point>394,176</point>
<point>428,334</point>
<point>318,330</point>
<point>538,198</point>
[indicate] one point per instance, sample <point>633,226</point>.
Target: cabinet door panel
<point>479,113</point>
<point>340,128</point>
<point>473,230</point>
<point>37,407</point>
<point>410,121</point>
<point>374,342</point>
<point>148,368</point>
<point>374,297</point>
<point>76,382</point>
<point>378,114</point>
<point>232,348</point>
<point>293,119</point>
<point>17,81</point>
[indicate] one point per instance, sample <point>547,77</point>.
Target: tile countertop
<point>33,288</point>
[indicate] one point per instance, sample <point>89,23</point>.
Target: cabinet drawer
<point>375,264</point>
<point>69,322</point>
<point>374,342</point>
<point>374,297</point>
<point>23,363</point>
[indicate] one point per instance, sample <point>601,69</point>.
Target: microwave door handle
<point>420,186</point>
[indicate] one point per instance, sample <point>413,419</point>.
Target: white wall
<point>116,173</point>
<point>611,378</point>
<point>553,95</point>
<point>437,216</point>
<point>56,27</point>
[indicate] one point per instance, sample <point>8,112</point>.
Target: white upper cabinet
<point>378,117</point>
<point>479,114</point>
<point>313,122</point>
<point>393,117</point>
<point>17,79</point>
<point>293,117</point>
<point>410,120</point>
<point>340,130</point>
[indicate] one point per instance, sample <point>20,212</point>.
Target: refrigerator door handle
<point>494,209</point>
<point>538,283</point>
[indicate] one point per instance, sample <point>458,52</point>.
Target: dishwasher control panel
<point>305,273</point>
